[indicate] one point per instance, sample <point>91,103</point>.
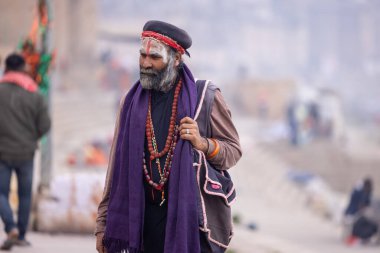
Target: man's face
<point>157,69</point>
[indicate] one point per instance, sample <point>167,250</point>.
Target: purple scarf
<point>125,216</point>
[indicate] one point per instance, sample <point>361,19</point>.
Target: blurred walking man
<point>153,202</point>
<point>23,120</point>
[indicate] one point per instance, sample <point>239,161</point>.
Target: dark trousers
<point>154,227</point>
<point>24,173</point>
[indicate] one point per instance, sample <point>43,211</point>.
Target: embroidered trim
<point>200,193</point>
<point>230,193</point>
<point>201,100</point>
<point>205,228</point>
<point>210,180</point>
<point>164,39</point>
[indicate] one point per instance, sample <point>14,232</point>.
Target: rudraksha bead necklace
<point>168,150</point>
<point>149,125</point>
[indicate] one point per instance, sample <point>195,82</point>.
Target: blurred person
<point>360,198</point>
<point>24,119</point>
<point>293,123</point>
<point>314,117</point>
<point>143,209</point>
<point>358,223</point>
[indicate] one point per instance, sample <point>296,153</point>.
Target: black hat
<point>14,62</point>
<point>169,34</point>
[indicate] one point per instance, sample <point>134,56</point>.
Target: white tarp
<point>72,203</point>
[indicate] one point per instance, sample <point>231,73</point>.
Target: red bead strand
<point>150,130</point>
<point>168,150</point>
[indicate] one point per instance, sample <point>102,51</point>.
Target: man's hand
<point>99,243</point>
<point>189,130</point>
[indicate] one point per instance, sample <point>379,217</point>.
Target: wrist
<point>215,149</point>
<point>203,145</point>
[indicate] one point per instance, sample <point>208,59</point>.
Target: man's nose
<point>146,62</point>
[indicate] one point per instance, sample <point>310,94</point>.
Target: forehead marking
<point>148,47</point>
<point>153,46</point>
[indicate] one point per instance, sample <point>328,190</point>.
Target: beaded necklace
<point>171,141</point>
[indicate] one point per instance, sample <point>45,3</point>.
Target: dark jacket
<point>359,199</point>
<point>24,119</point>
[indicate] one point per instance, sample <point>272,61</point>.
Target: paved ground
<point>341,170</point>
<point>45,243</point>
<point>278,208</point>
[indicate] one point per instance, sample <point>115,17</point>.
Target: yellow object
<point>13,197</point>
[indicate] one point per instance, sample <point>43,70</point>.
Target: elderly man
<point>153,200</point>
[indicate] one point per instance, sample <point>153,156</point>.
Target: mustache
<point>149,71</point>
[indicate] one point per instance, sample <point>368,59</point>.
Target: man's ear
<point>177,58</point>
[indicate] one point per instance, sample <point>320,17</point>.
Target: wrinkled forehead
<point>153,46</point>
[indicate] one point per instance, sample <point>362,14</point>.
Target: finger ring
<point>187,131</point>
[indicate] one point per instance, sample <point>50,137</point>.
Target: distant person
<point>24,119</point>
<point>293,123</point>
<point>162,152</point>
<point>360,198</point>
<point>315,118</point>
<point>361,226</point>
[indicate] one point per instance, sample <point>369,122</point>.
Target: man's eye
<point>156,57</point>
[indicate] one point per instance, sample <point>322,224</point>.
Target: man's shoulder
<point>211,86</point>
<point>6,85</point>
<point>8,89</point>
<point>13,86</point>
